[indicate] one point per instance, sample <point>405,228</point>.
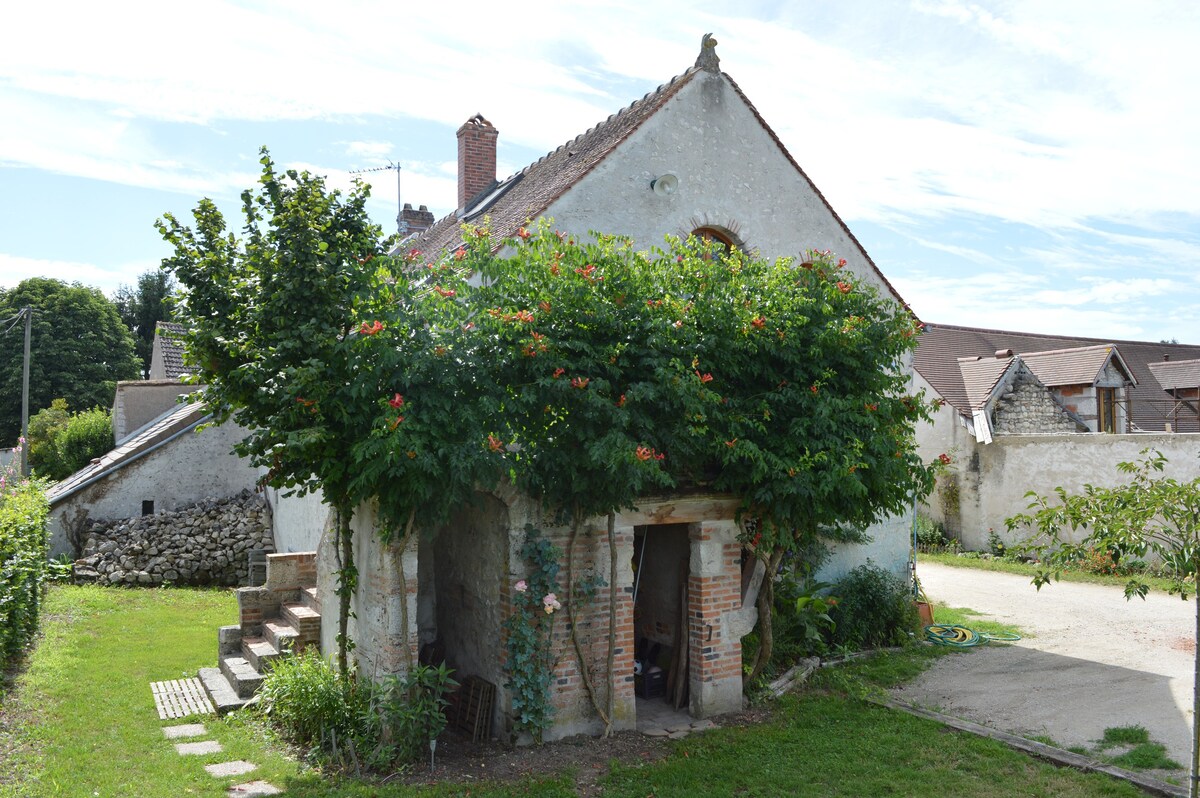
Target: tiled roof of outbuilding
<point>980,376</point>
<point>942,345</point>
<point>1173,374</point>
<point>1079,365</point>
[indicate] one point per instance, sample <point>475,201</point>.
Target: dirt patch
<point>461,761</point>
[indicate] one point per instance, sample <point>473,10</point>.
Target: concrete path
<point>1089,660</point>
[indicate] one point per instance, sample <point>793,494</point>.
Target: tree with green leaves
<point>273,333</point>
<point>1147,516</point>
<point>141,309</point>
<point>79,350</point>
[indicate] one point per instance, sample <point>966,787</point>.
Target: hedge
<point>24,546</point>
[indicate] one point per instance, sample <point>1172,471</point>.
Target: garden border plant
<point>24,552</point>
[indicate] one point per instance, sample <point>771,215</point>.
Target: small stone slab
<point>656,732</point>
<point>677,735</point>
<point>199,749</point>
<point>179,698</point>
<point>234,768</point>
<point>183,730</point>
<point>252,788</point>
<point>703,725</point>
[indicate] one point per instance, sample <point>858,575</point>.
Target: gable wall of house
<point>1027,406</point>
<point>732,176</point>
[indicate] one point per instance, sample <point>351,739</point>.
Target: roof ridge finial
<point>708,59</point>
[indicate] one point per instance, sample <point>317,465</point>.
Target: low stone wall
<point>207,543</point>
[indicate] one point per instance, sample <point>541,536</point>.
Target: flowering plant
<point>530,630</point>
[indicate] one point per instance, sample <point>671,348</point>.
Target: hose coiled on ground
<point>962,637</point>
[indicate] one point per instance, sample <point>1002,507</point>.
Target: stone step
<point>242,676</point>
<point>306,620</point>
<point>310,598</point>
<point>259,653</point>
<point>281,634</point>
<point>220,691</point>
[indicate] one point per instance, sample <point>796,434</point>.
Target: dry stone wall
<point>207,543</point>
<point>1028,407</point>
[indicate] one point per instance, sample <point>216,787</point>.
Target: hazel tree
<point>274,318</point>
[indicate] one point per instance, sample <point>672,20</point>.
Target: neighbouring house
<point>166,352</point>
<point>1026,411</point>
<point>693,156</point>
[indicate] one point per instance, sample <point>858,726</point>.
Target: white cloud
<point>15,268</point>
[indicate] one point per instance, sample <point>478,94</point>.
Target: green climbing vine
<point>530,629</point>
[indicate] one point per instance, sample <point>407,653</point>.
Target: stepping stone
<point>680,727</point>
<point>252,788</point>
<point>703,725</point>
<point>656,732</point>
<point>235,768</point>
<point>677,735</point>
<point>200,748</point>
<point>183,730</point>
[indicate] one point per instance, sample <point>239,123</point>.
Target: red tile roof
<point>980,375</point>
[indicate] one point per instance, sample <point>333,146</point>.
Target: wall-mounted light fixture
<point>664,185</point>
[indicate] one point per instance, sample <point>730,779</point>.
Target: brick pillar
<point>476,158</point>
<point>714,602</point>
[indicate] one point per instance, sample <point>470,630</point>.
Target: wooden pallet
<point>472,709</point>
<point>179,698</point>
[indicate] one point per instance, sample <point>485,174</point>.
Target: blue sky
<point>1019,165</point>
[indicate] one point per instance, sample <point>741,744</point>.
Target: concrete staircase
<point>279,618</point>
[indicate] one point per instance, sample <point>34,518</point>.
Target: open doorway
<point>661,556</point>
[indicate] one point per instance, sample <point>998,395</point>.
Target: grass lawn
<point>85,725</point>
<point>1026,569</point>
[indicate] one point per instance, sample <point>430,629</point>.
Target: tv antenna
<point>400,225</point>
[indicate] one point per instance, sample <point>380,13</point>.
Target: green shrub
<point>874,609</point>
<point>930,534</point>
<point>356,723</point>
<point>62,443</point>
<point>24,545</point>
<point>89,434</point>
<point>45,428</point>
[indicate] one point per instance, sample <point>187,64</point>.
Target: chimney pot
<point>1003,353</point>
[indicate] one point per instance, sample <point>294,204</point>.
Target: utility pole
<point>28,311</point>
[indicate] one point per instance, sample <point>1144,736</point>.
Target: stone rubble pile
<point>207,543</point>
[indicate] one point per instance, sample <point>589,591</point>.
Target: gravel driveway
<point>1089,660</point>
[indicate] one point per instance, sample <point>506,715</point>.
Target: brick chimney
<point>476,158</point>
<point>415,221</point>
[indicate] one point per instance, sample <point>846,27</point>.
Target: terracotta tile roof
<point>980,376</point>
<point>170,342</point>
<point>179,419</point>
<point>1172,374</point>
<point>525,195</point>
<point>941,345</point>
<point>1080,365</point>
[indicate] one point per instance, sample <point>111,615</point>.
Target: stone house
<point>693,156</point>
<point>1026,411</point>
